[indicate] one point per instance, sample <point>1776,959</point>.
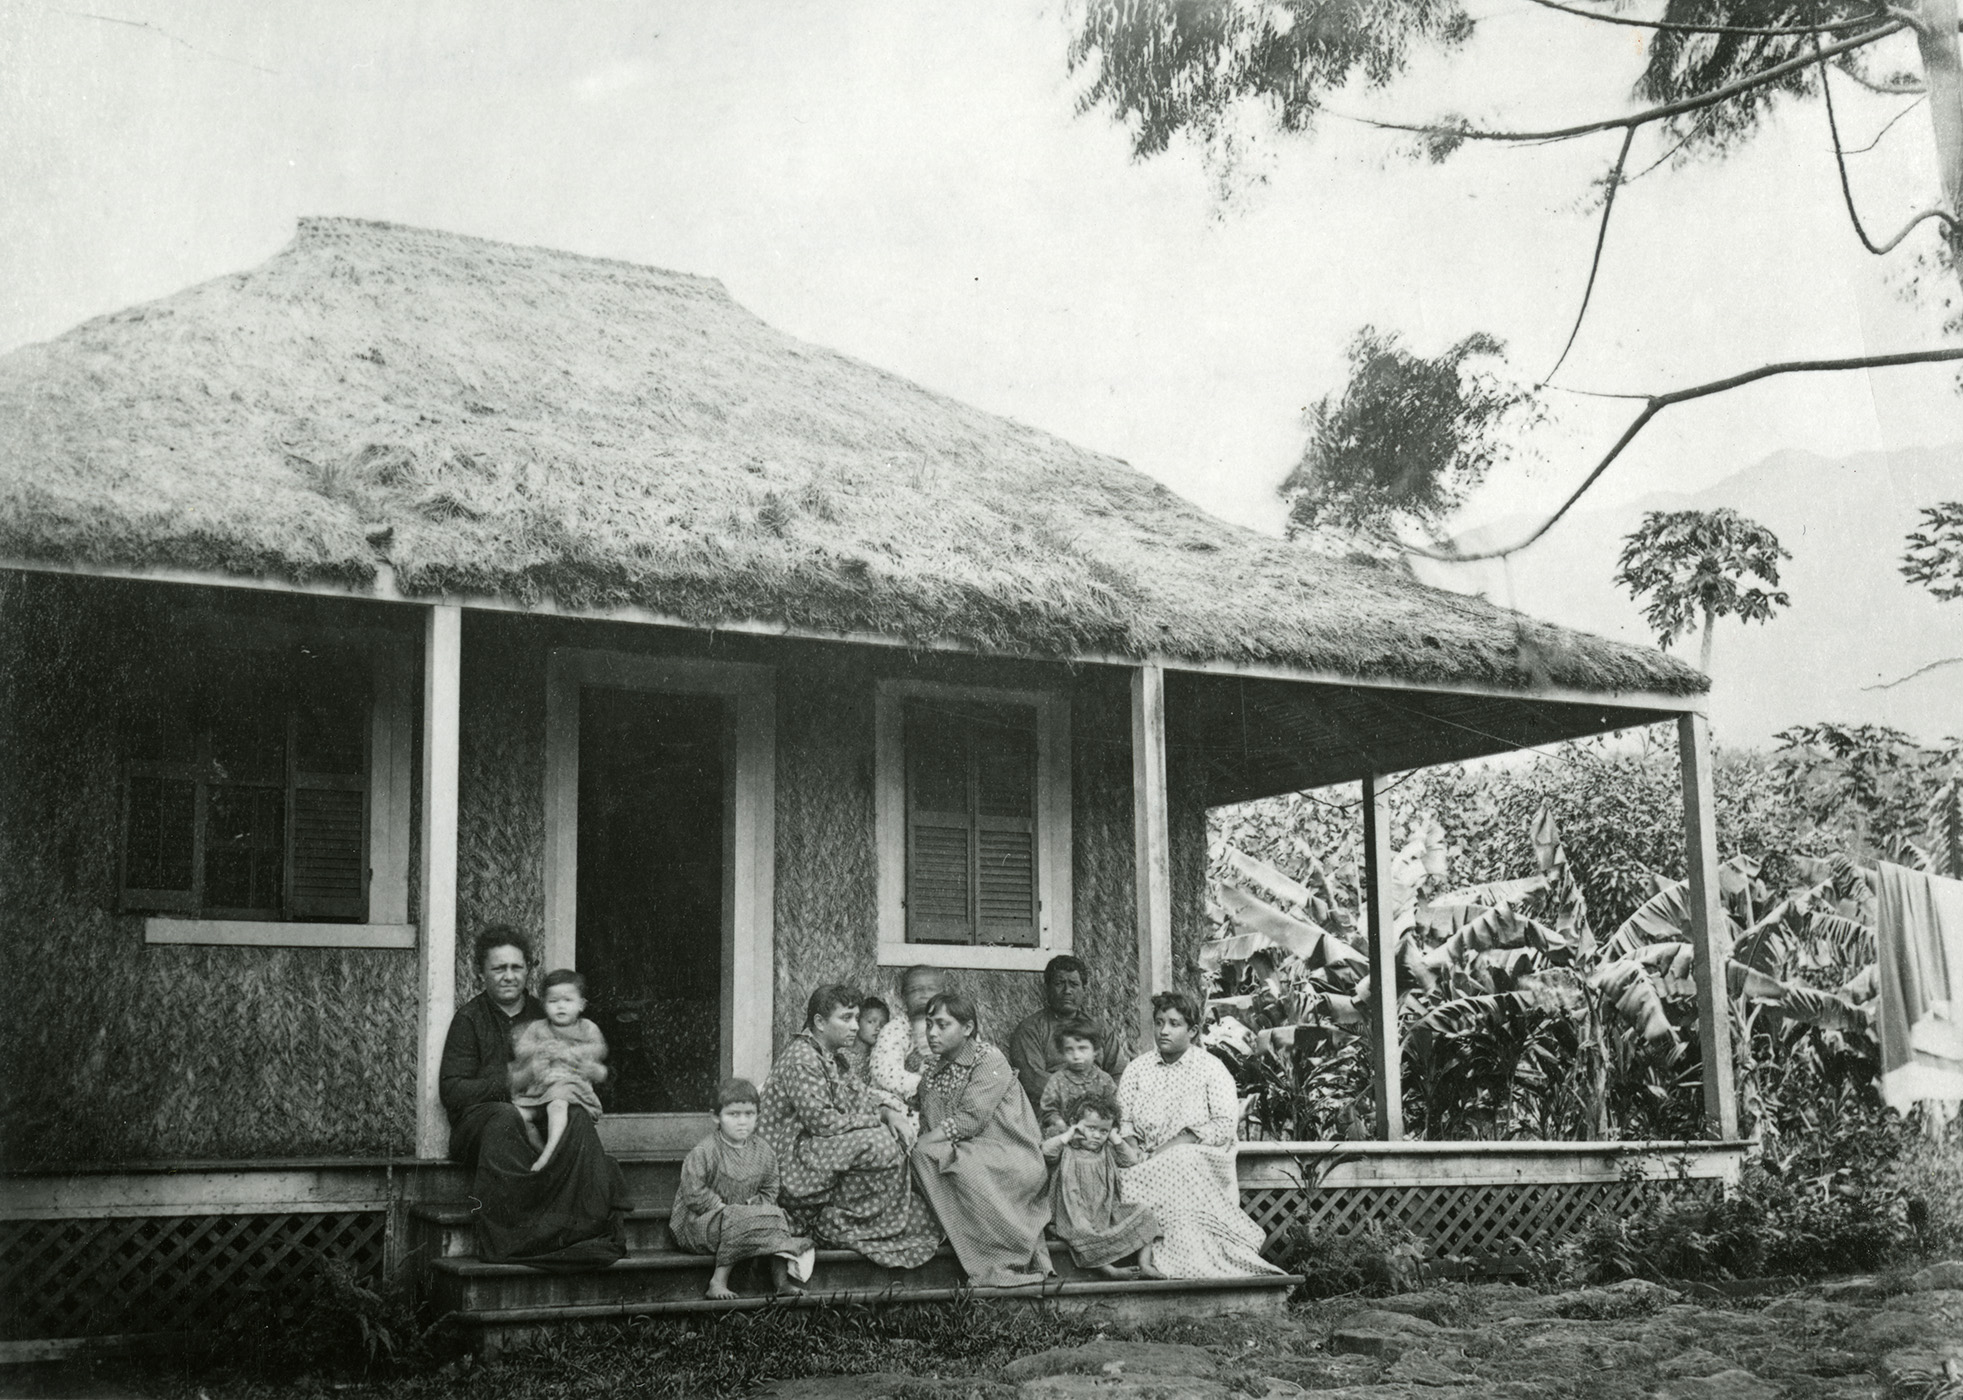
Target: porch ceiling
<point>1260,737</point>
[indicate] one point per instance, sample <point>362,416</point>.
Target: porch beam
<point>437,959</point>
<point>1386,1053</point>
<point>1151,838</point>
<point>1710,938</point>
<point>1664,704</point>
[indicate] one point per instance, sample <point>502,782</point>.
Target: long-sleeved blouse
<point>1194,1093</point>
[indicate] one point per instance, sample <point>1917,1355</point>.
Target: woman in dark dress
<point>565,1216</point>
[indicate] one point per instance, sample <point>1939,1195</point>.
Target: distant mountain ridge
<point>1855,623</point>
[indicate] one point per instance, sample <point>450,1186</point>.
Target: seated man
<point>1032,1045</point>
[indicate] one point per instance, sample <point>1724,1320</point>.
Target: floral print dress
<point>844,1174</point>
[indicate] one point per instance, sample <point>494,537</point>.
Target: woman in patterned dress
<point>979,1160</point>
<point>842,1145</point>
<point>1179,1107</point>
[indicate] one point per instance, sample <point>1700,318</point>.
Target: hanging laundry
<point>1919,938</point>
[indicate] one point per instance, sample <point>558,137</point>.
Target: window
<point>246,788</point>
<point>973,813</point>
<point>971,823</point>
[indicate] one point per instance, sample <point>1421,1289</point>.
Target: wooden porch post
<point>1151,837</point>
<point>1386,1054</point>
<point>437,960</point>
<point>1709,936</point>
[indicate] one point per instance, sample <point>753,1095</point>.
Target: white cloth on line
<point>1919,955</point>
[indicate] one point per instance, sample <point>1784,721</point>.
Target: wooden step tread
<point>457,1213</point>
<point>818,1298</point>
<point>652,1261</point>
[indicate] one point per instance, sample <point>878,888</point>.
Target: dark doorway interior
<point>651,892</point>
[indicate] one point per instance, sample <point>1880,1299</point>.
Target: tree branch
<point>1658,402</point>
<point>1847,188</point>
<point>1910,89</point>
<point>1666,110</point>
<point>1601,238</point>
<point>1904,680</point>
<point>1886,128</point>
<point>1667,27</point>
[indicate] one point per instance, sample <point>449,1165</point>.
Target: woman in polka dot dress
<point>1179,1107</point>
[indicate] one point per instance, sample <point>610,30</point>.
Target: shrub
<point>1372,1259</point>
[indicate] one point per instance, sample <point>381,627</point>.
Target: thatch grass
<point>490,419</point>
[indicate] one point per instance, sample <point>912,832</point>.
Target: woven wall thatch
<point>120,1051</point>
<point>500,784</point>
<point>480,418</point>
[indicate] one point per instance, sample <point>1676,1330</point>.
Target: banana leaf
<point>1315,947</point>
<point>1626,986</point>
<point>1827,1010</point>
<point>1662,918</point>
<point>1494,929</point>
<point>1259,872</point>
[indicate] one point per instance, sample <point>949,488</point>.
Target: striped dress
<point>980,1163</point>
<point>727,1203</point>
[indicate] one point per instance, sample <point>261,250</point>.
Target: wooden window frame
<point>390,742</point>
<point>1053,839</point>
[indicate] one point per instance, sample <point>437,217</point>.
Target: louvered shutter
<point>1004,745</point>
<point>940,830</point>
<point>327,864</point>
<point>971,824</point>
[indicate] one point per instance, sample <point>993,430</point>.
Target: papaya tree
<point>1687,566</point>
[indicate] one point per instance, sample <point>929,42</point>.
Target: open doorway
<point>651,882</point>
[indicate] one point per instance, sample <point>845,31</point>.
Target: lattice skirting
<point>1469,1228</point>
<point>106,1277</point>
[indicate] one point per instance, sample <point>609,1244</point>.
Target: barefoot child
<point>727,1202</point>
<point>1080,1078</point>
<point>1085,1210</point>
<point>556,1062</point>
<point>873,1016</point>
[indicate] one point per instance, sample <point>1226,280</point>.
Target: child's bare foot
<point>1147,1268</point>
<point>1114,1272</point>
<point>719,1285</point>
<point>544,1157</point>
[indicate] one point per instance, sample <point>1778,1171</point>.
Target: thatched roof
<point>486,419</point>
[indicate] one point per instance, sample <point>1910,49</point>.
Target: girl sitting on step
<point>727,1202</point>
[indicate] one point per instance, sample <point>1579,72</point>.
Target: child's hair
<point>1079,1030</point>
<point>737,1090</point>
<point>1103,1105</point>
<point>871,1004</point>
<point>562,977</point>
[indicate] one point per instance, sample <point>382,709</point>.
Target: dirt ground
<point>1854,1339</point>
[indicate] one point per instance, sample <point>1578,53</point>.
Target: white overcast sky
<point>909,182</point>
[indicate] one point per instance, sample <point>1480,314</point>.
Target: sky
<point>912,183</point>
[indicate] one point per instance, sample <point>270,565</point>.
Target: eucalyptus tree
<point>1712,72</point>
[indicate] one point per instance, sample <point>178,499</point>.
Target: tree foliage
<point>1686,566</point>
<point>1167,68</point>
<point>1934,553</point>
<point>1407,438</point>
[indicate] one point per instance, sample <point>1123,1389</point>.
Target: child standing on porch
<point>556,1062</point>
<point>1080,1078</point>
<point>727,1202</point>
<point>1085,1208</point>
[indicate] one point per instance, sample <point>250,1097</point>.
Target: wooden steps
<point>502,1305</point>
